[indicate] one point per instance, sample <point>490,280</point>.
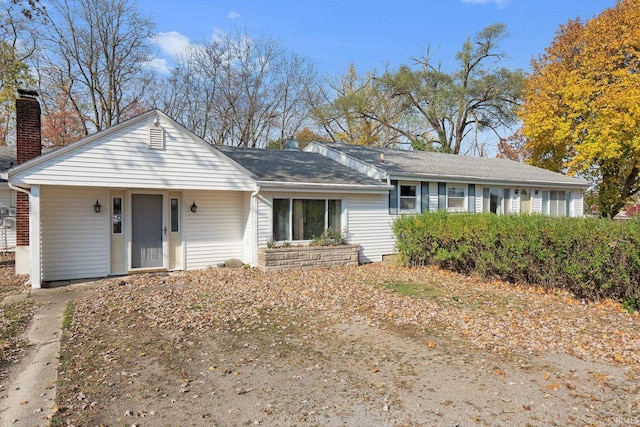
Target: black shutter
<point>442,195</point>
<point>393,199</point>
<point>424,196</point>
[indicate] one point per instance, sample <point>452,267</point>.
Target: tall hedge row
<point>592,258</point>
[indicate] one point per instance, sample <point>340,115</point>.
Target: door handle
<point>165,230</point>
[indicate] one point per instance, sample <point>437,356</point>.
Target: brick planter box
<point>293,258</point>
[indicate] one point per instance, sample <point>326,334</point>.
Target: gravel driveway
<point>372,345</point>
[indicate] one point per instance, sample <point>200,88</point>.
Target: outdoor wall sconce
<point>97,207</point>
<point>194,207</point>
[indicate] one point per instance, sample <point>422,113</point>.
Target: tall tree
<point>581,103</point>
<point>17,44</point>
<point>513,148</point>
<point>239,90</point>
<point>357,110</point>
<point>455,107</point>
<point>96,54</point>
<point>61,125</point>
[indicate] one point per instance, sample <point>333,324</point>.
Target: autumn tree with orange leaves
<point>581,111</point>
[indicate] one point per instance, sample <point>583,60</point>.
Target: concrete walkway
<point>28,398</point>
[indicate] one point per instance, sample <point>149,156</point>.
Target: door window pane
<point>116,215</point>
<point>175,216</point>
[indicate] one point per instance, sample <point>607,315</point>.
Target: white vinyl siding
<point>75,239</point>
<point>213,234</point>
<point>577,204</point>
<point>433,196</point>
<point>536,201</point>
<point>479,195</point>
<point>515,201</point>
<point>123,159</point>
<point>248,230</point>
<point>370,226</point>
<point>264,220</point>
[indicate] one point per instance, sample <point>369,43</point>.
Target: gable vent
<point>156,138</point>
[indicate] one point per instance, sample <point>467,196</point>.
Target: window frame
<point>339,215</point>
<point>465,189</point>
<point>416,197</point>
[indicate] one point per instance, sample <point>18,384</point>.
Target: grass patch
<point>67,320</point>
<point>13,320</point>
<point>412,289</point>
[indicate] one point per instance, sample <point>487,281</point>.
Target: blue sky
<point>368,33</point>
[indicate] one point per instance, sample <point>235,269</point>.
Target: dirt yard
<point>372,345</point>
<point>14,316</point>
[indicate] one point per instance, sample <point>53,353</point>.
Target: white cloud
<point>233,15</point>
<point>171,43</point>
<point>500,3</point>
<point>160,65</point>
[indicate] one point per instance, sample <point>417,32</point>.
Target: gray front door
<point>146,230</point>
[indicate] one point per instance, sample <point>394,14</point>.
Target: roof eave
<point>324,187</point>
<point>502,181</point>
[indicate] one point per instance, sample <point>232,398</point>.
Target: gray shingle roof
<point>7,157</point>
<point>404,163</point>
<point>295,167</point>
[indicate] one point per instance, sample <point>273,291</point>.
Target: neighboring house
<point>149,195</point>
<point>7,202</point>
<point>426,181</point>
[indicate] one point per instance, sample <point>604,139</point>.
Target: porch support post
<point>34,237</point>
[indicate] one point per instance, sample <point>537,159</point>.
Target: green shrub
<point>593,258</point>
<point>329,237</point>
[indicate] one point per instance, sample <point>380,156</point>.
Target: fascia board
<point>325,188</point>
<point>475,180</point>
